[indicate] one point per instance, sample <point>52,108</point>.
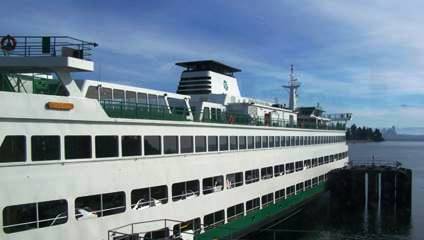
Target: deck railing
<point>119,109</point>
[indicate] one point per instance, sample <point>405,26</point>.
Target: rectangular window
<point>242,142</point>
<point>45,148</point>
<point>280,194</point>
<point>170,144</point>
<point>200,143</point>
<point>289,168</point>
<point>223,143</point>
<point>314,181</point>
<point>131,146</point>
<point>212,143</point>
<point>24,217</point>
<point>299,187</point>
<point>118,95</point>
<point>252,205</point>
<point>290,191</point>
<point>152,145</point>
<point>149,197</point>
<point>301,140</point>
<point>234,180</point>
<point>251,142</point>
<point>307,164</point>
<point>308,184</point>
<point>252,176</point>
<point>292,141</point>
<point>105,93</point>
<point>258,142</point>
<point>320,161</point>
<point>326,159</point>
<point>213,184</point>
<point>320,178</point>
<point>77,147</point>
<point>297,143</point>
<point>130,97</point>
<point>267,199</point>
<point>214,219</point>
<point>265,141</point>
<point>283,141</point>
<point>190,226</point>
<point>99,205</point>
<point>299,166</point>
<point>266,173</point>
<point>106,146</point>
<point>279,170</point>
<point>271,141</point>
<point>314,162</point>
<point>185,190</point>
<point>277,141</point>
<point>235,212</point>
<point>13,149</point>
<point>142,98</point>
<point>233,143</point>
<point>186,143</point>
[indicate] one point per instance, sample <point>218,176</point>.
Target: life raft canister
<point>8,43</point>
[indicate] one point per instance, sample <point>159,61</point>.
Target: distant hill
<point>390,134</point>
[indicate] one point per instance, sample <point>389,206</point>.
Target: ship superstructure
<point>80,158</point>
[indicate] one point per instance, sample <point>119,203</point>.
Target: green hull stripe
<point>256,217</point>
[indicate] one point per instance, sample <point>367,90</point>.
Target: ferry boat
<point>85,159</point>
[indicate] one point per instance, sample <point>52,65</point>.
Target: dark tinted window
<point>106,146</point>
<point>212,143</point>
<point>77,147</point>
<point>183,190</point>
<point>264,141</point>
<point>251,142</point>
<point>99,205</point>
<point>258,142</point>
<point>271,141</point>
<point>213,184</point>
<point>149,197</point>
<point>242,142</point>
<point>186,144</point>
<point>45,148</point>
<point>277,141</point>
<point>13,149</point>
<point>252,176</point>
<point>223,143</point>
<point>131,145</point>
<point>170,144</point>
<point>200,143</point>
<point>233,143</point>
<point>152,145</point>
<point>252,204</point>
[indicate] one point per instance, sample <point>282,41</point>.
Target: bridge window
<point>99,205</point>
<point>45,148</point>
<point>223,143</point>
<point>265,142</point>
<point>212,143</point>
<point>170,144</point>
<point>279,170</point>
<point>130,97</point>
<point>267,199</point>
<point>235,212</point>
<point>214,219</point>
<point>233,143</point>
<point>280,194</point>
<point>299,166</point>
<point>266,173</point>
<point>152,145</point>
<point>13,149</point>
<point>106,146</point>
<point>242,142</point>
<point>186,144</point>
<point>142,98</point>
<point>234,180</point>
<point>149,197</point>
<point>185,190</point>
<point>118,95</point>
<point>105,94</point>
<point>277,141</point>
<point>258,142</point>
<point>213,184</point>
<point>24,217</point>
<point>131,145</point>
<point>77,147</point>
<point>252,205</point>
<point>153,100</point>
<point>92,92</point>
<point>271,141</point>
<point>200,143</point>
<point>289,168</point>
<point>251,142</point>
<point>252,176</point>
<point>290,190</point>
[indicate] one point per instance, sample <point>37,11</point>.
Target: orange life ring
<point>8,43</point>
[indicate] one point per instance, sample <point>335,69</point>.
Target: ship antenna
<point>292,86</point>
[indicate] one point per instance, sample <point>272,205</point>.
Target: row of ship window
<point>47,148</point>
<point>23,217</point>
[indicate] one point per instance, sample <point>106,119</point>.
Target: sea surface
<point>320,220</point>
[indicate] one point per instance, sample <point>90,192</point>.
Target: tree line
<point>364,133</point>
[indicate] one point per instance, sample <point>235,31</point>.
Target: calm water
<point>321,220</point>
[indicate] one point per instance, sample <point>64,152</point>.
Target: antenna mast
<point>292,85</point>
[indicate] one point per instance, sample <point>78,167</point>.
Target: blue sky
<point>351,56</point>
